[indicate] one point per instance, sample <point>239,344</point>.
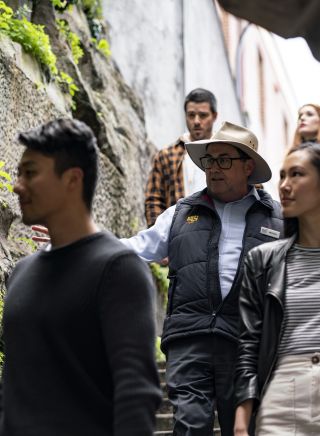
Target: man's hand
<point>164,261</point>
<point>43,230</point>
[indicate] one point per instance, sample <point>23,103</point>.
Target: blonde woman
<point>308,125</point>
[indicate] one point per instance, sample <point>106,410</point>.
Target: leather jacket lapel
<point>277,275</point>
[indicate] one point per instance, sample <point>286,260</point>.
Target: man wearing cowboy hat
<point>206,237</point>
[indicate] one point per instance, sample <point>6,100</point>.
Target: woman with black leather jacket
<point>277,378</point>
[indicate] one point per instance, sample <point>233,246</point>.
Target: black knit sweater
<point>79,343</point>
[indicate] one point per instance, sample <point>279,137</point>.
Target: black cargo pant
<point>199,376</point>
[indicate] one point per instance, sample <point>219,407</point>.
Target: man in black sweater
<point>78,318</point>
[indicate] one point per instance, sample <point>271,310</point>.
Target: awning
<point>287,18</point>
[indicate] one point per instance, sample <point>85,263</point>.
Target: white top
<point>301,333</point>
<point>194,178</point>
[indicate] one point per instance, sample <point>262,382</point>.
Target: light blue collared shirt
<point>152,244</point>
<point>233,223</point>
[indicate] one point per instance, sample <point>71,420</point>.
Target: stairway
<point>164,421</point>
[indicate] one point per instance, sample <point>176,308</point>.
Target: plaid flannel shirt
<point>165,185</point>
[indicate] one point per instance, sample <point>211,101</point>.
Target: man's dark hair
<point>200,95</point>
<point>71,143</point>
<point>291,225</point>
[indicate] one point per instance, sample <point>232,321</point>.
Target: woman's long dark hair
<point>291,225</point>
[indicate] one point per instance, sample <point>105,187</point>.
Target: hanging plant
<point>30,36</point>
<point>35,41</point>
<point>72,39</point>
<point>5,181</point>
<point>102,46</point>
<point>62,5</point>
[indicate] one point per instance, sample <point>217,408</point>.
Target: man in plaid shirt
<point>171,172</point>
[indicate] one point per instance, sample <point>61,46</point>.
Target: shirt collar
<point>252,193</point>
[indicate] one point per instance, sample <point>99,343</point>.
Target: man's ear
<point>73,177</point>
<point>249,166</point>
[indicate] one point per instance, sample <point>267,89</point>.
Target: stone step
<point>162,374</point>
<point>165,406</point>
<point>164,422</point>
<point>163,387</point>
<point>169,432</point>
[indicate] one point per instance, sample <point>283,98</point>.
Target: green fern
<point>5,185</point>
<point>59,3</point>
<point>29,242</point>
<point>31,37</point>
<point>35,41</point>
<point>160,357</point>
<point>72,39</point>
<point>67,80</point>
<point>160,275</point>
<point>92,8</point>
<point>103,46</point>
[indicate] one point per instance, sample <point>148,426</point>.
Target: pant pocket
<point>276,414</point>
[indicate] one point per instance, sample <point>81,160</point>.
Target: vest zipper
<point>173,281</point>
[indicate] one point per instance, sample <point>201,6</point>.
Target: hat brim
<point>261,173</point>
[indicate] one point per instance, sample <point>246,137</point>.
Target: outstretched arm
<point>152,244</point>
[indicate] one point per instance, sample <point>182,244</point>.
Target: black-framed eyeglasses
<point>225,163</point>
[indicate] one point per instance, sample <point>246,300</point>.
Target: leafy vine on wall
<point>34,40</point>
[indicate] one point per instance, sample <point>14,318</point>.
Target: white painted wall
<point>206,61</point>
<point>166,48</point>
<point>279,102</point>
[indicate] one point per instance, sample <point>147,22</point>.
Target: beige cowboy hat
<point>239,137</point>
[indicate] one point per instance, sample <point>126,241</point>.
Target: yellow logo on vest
<point>192,219</point>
